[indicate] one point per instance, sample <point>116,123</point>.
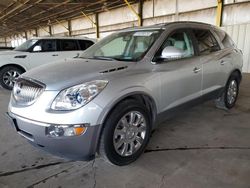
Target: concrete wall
<point>154,11</point>
<point>2,42</point>
<point>44,31</point>
<point>236,14</point>
<point>240,34</point>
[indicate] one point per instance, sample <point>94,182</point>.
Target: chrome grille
<point>25,92</point>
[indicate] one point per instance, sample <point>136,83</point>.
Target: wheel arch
<point>238,72</point>
<point>143,97</point>
<point>14,65</point>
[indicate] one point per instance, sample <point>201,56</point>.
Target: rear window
<point>68,45</point>
<point>84,44</point>
<point>206,41</point>
<point>225,39</point>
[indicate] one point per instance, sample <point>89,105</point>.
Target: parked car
<point>36,52</point>
<point>112,97</point>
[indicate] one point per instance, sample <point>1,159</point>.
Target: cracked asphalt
<point>201,147</point>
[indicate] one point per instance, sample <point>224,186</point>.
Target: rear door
<point>180,78</point>
<point>68,48</point>
<point>229,54</point>
<point>84,44</point>
<point>211,58</point>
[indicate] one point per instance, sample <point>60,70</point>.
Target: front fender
<point>109,104</point>
<point>112,102</point>
<point>8,62</point>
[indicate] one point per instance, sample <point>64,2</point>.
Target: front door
<point>44,51</point>
<point>180,77</point>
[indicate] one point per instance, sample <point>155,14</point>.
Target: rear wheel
<point>8,75</point>
<point>126,133</point>
<point>230,95</point>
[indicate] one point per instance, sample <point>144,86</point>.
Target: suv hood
<point>10,52</point>
<point>10,55</point>
<point>60,75</point>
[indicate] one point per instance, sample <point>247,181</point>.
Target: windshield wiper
<point>121,59</point>
<point>104,58</point>
<point>112,58</point>
<point>107,58</point>
<point>98,57</point>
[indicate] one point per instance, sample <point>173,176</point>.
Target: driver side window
<point>178,45</point>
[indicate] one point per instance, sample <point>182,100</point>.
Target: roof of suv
<point>72,38</point>
<point>164,25</point>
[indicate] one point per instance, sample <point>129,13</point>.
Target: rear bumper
<point>81,147</point>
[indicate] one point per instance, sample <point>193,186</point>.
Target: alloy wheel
<point>232,92</point>
<point>129,133</point>
<point>9,77</point>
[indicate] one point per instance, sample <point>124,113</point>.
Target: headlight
<point>77,96</point>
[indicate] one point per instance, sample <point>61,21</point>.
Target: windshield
<point>26,45</point>
<point>123,46</point>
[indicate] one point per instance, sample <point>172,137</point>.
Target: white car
<point>36,52</point>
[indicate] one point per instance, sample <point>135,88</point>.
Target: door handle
<point>223,62</point>
<point>55,55</point>
<point>196,70</point>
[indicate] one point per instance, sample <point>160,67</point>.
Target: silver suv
<point>110,99</point>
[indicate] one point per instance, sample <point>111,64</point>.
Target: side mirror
<point>77,55</point>
<point>37,49</point>
<point>172,53</point>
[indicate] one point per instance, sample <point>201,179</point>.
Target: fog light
<point>65,130</point>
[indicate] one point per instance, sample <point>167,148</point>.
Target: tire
<point>229,97</point>
<point>8,75</point>
<point>121,142</point>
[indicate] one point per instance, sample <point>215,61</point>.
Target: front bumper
<point>81,147</point>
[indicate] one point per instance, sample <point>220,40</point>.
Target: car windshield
<point>123,46</point>
<point>26,45</point>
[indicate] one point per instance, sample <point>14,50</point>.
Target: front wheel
<point>230,95</point>
<point>8,75</point>
<point>126,133</point>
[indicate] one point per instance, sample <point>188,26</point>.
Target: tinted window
<point>179,40</point>
<point>46,45</point>
<point>206,42</point>
<point>69,45</point>
<point>225,39</point>
<point>84,44</point>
